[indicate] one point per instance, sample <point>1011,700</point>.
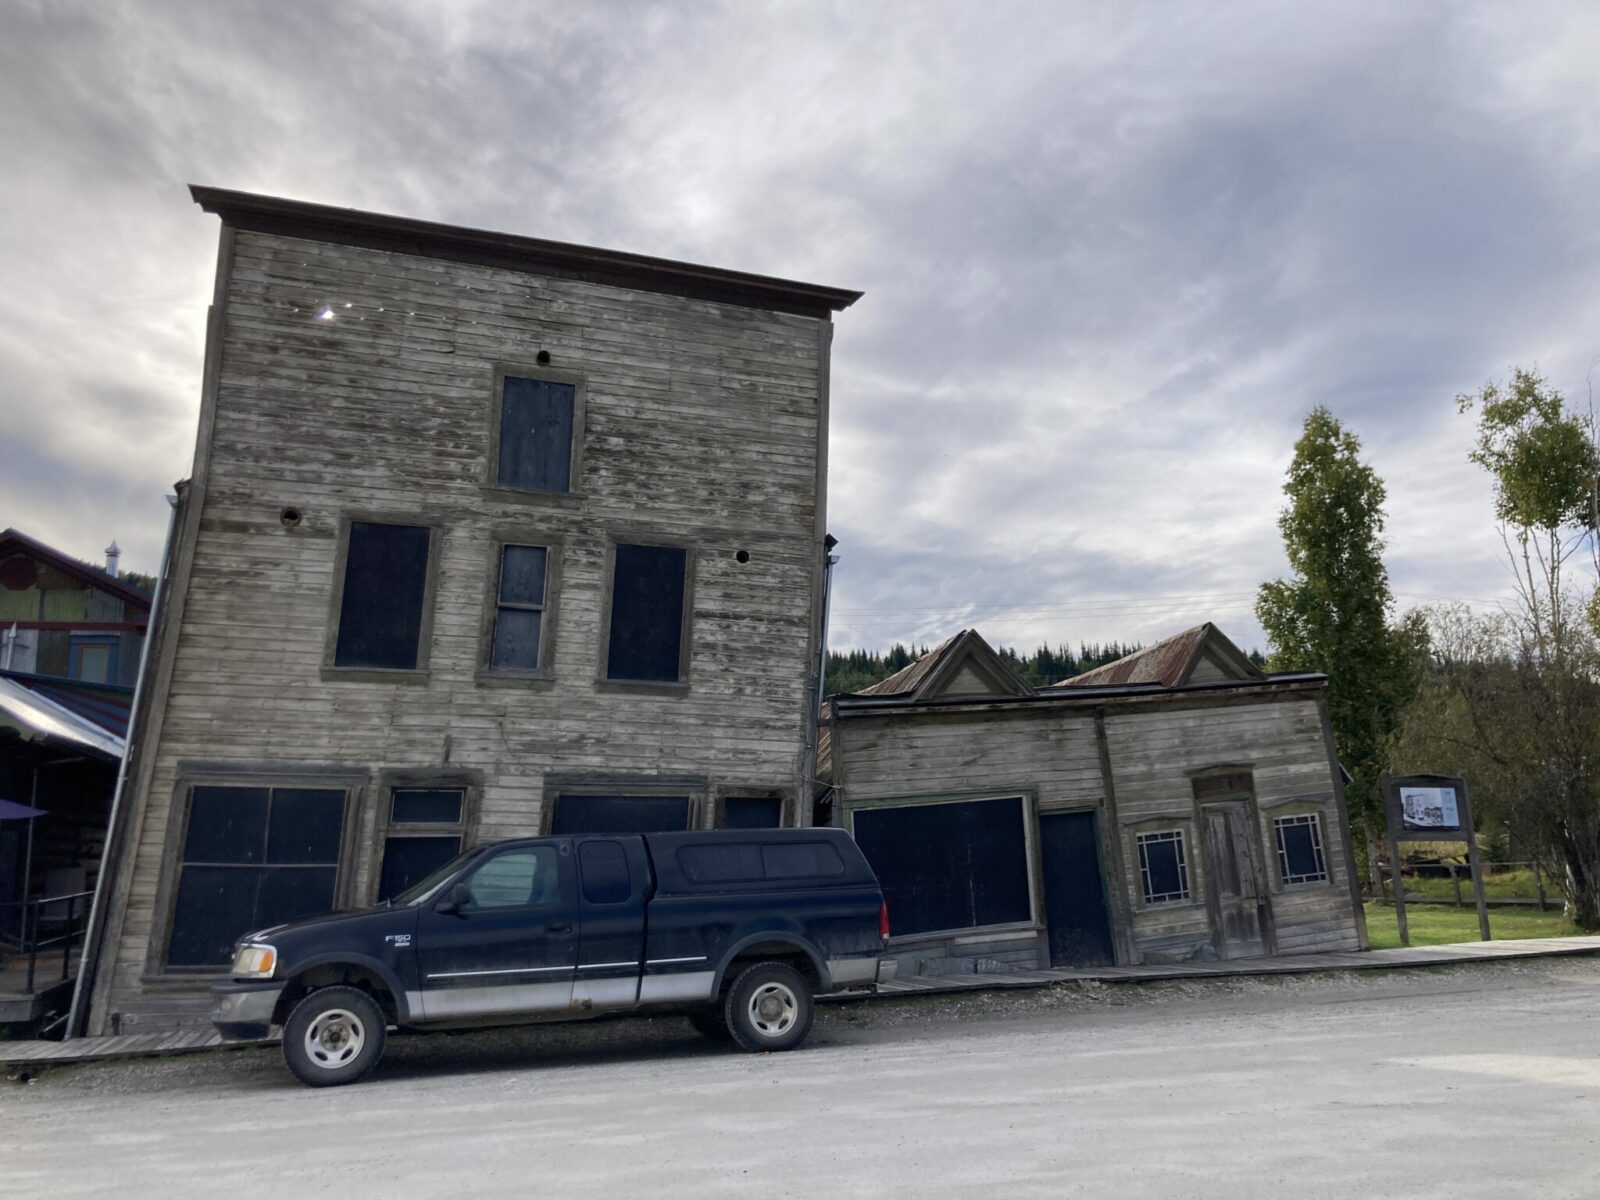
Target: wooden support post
<point>1477,887</point>
<point>1455,883</point>
<point>1399,893</point>
<point>1538,884</point>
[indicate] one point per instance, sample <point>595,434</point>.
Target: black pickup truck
<point>738,929</point>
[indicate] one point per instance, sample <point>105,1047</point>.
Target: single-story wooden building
<point>1178,804</point>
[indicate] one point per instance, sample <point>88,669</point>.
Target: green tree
<point>1533,705</point>
<point>1335,614</point>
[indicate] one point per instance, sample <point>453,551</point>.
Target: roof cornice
<point>429,239</point>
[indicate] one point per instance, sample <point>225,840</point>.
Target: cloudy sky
<point>1112,253</point>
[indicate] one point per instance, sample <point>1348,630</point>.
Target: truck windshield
<point>424,887</point>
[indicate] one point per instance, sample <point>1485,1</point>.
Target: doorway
<point>1235,884</point>
<point>1074,891</point>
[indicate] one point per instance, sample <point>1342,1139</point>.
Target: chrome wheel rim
<point>335,1038</point>
<point>774,1009</point>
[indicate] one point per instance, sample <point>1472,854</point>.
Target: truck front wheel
<point>768,1007</point>
<point>335,1035</point>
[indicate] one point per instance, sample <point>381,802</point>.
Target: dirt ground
<point>1478,1080</point>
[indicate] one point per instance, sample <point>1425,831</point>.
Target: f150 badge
<point>399,939</point>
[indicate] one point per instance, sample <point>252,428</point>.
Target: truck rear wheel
<point>334,1036</point>
<point>768,1008</point>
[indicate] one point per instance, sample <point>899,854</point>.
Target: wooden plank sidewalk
<point>169,1042</point>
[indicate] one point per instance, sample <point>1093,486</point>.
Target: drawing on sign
<point>1429,808</point>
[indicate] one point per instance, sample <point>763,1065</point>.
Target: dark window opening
<point>252,857</point>
<point>949,866</point>
<point>1300,857</point>
<point>1163,867</point>
<point>620,814</point>
<point>647,604</point>
<point>519,608</point>
<point>603,867</point>
<point>536,422</point>
<point>385,584</point>
<point>752,812</point>
<point>425,830</point>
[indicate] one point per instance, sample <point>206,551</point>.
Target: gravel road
<point>1470,1081</point>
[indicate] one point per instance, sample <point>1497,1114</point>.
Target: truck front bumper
<point>243,1011</point>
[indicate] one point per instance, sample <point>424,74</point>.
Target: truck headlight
<point>253,961</point>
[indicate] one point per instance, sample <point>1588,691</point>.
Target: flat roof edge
<point>481,247</point>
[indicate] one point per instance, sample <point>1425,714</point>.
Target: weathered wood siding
<point>1153,750</point>
<point>1156,752</point>
<point>704,423</point>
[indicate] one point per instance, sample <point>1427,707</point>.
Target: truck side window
<point>604,869</point>
<point>521,878</point>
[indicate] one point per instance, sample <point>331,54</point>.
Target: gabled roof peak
<point>1200,654</point>
<point>962,665</point>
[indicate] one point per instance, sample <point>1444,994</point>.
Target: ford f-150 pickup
<point>738,929</point>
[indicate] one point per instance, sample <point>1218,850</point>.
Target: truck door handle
<point>558,928</point>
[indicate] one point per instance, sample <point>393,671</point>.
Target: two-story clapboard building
<point>486,536</point>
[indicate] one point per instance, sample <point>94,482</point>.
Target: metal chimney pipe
<point>113,559</point>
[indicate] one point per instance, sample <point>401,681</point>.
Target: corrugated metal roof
<point>107,705</point>
<point>38,716</point>
<point>1165,662</point>
<point>909,678</point>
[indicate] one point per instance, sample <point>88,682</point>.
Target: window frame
<point>622,537</point>
<point>1178,832</point>
<point>352,781</point>
<point>554,553</point>
<point>77,643</point>
<point>580,406</point>
<point>1301,814</point>
<point>717,807</point>
<point>468,782</point>
<point>556,785</point>
<point>420,673</point>
<point>1029,799</point>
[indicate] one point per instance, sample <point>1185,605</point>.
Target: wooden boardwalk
<point>174,1042</point>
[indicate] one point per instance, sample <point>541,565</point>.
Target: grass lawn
<point>1515,884</point>
<point>1436,924</point>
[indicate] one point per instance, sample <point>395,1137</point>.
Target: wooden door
<point>1234,879</point>
<point>1074,893</point>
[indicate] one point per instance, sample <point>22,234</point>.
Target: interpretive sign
<point>1430,808</point>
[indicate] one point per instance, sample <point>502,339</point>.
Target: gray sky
<point>1112,253</point>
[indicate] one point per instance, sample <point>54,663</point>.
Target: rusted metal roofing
<point>907,679</point>
<point>1169,662</point>
<point>1165,663</point>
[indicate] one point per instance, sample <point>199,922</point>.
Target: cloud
<point>1112,256</point>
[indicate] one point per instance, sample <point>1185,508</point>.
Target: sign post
<point>1430,808</point>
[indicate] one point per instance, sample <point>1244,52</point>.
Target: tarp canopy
<point>10,810</point>
<point>38,718</point>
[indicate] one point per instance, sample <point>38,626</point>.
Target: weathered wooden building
<point>486,536</point>
<point>1176,804</point>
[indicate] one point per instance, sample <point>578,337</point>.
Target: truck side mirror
<point>458,897</point>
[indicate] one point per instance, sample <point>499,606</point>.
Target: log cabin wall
<point>353,384</point>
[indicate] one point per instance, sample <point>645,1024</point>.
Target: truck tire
<point>709,1023</point>
<point>768,1008</point>
<point>334,1036</point>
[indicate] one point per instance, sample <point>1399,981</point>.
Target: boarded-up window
<point>252,857</point>
<point>752,812</point>
<point>385,584</point>
<point>425,829</point>
<point>647,604</point>
<point>1300,857</point>
<point>536,424</point>
<point>519,609</point>
<point>620,814</point>
<point>949,866</point>
<point>1163,867</point>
